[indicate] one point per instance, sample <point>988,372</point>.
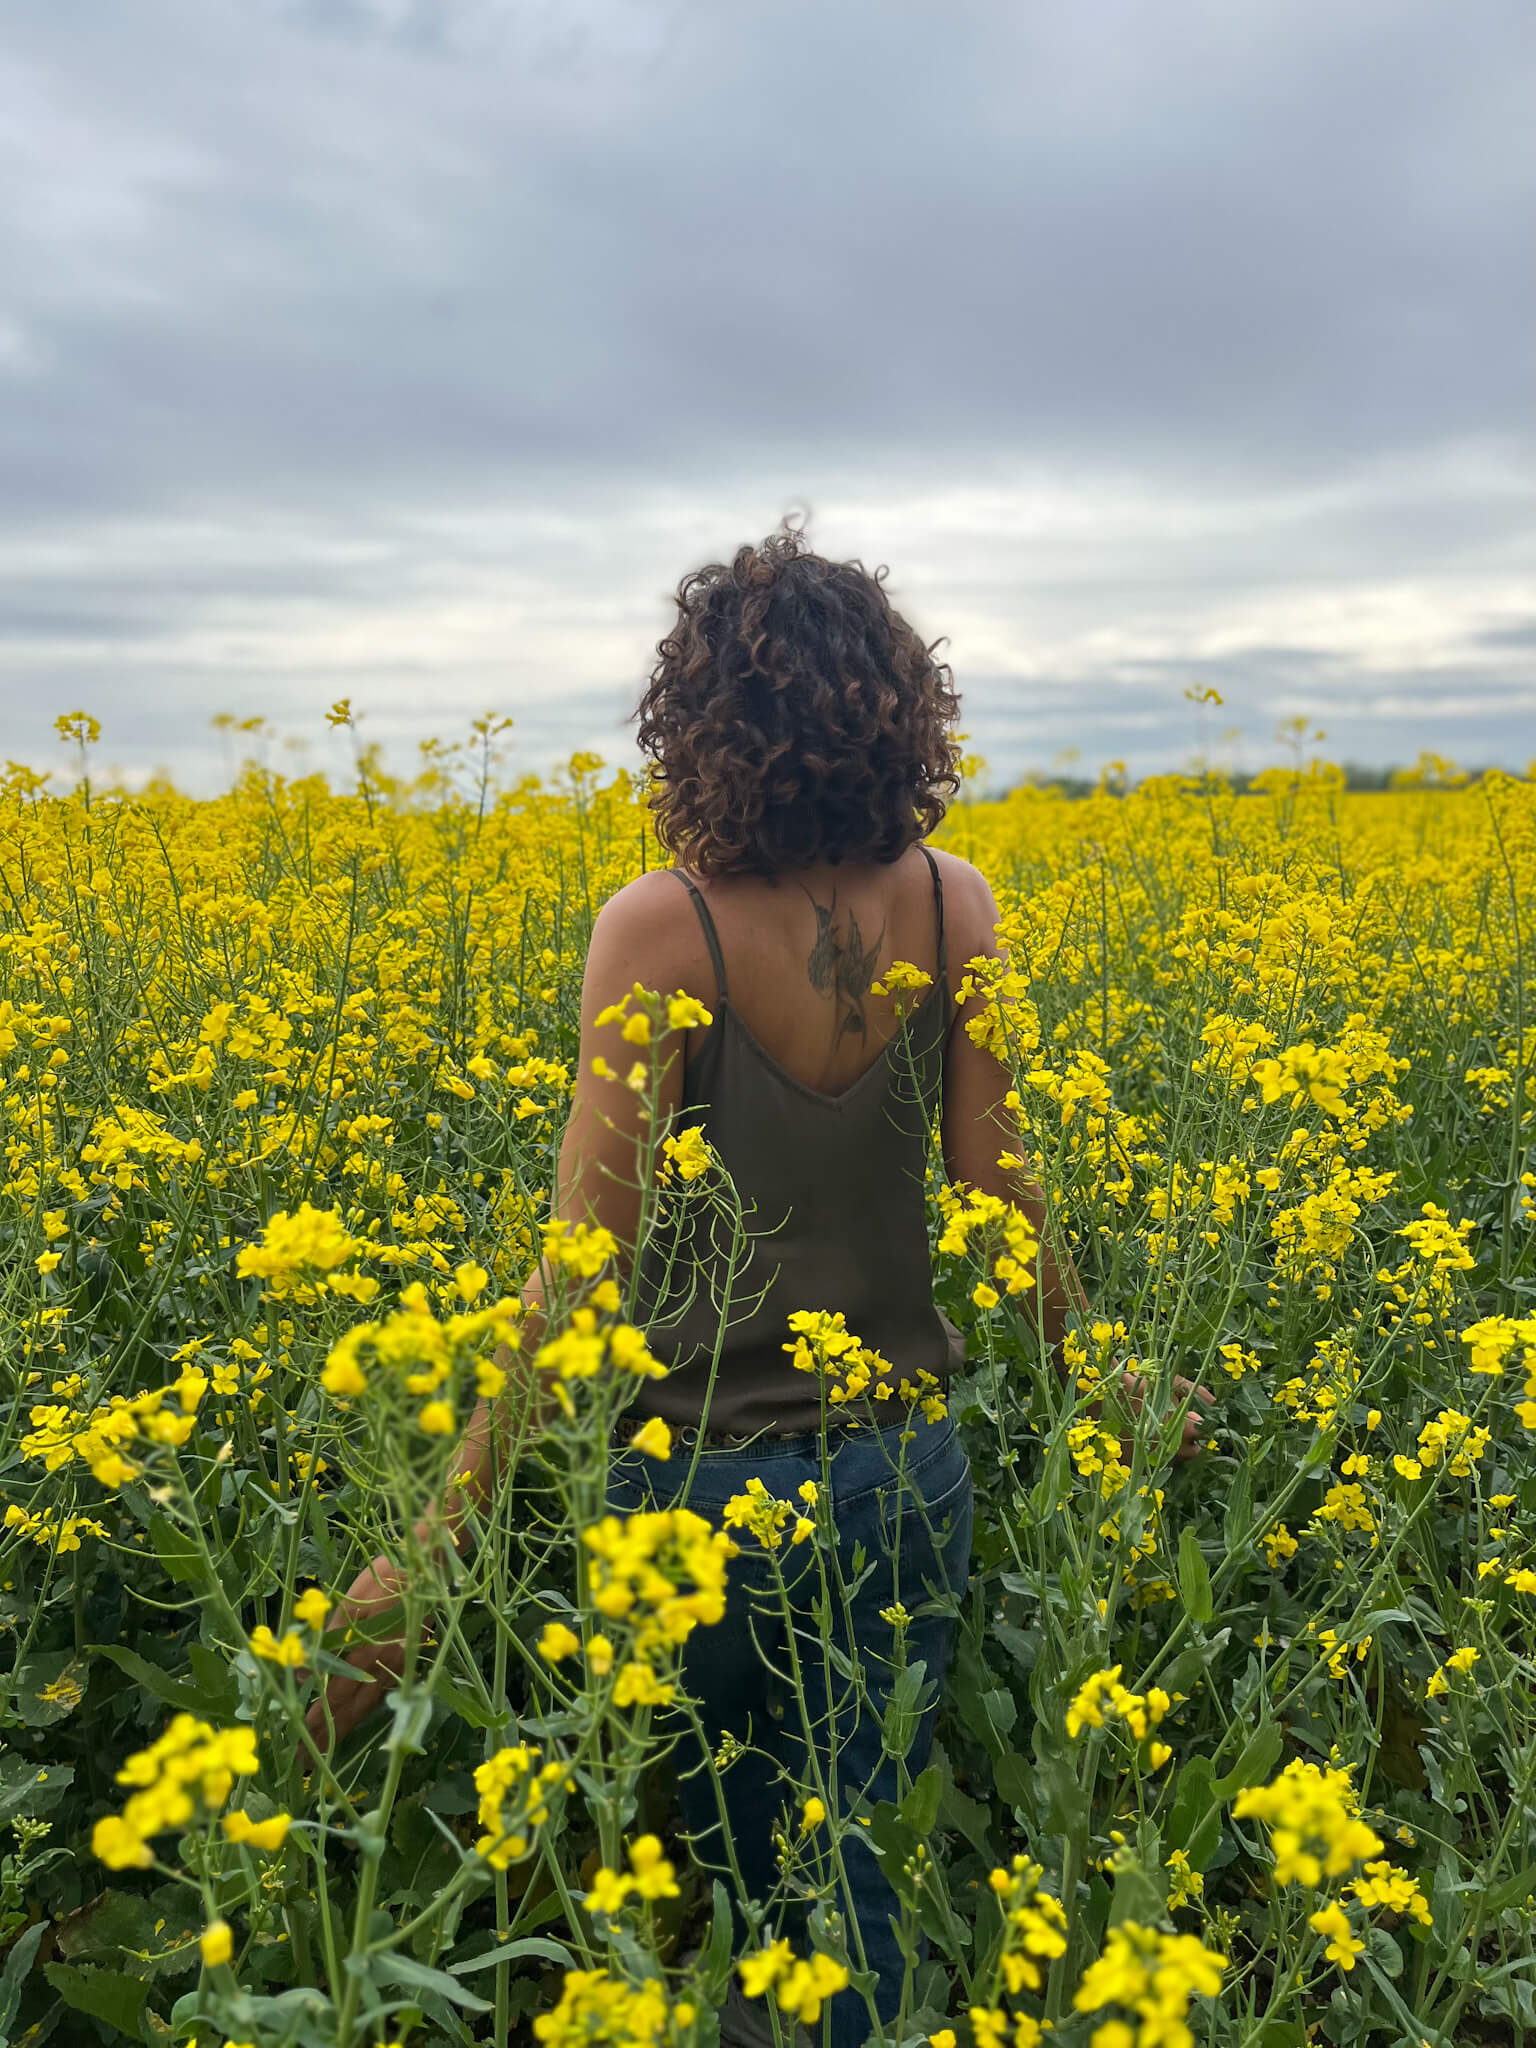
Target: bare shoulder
<point>648,931</point>
<point>970,908</point>
<point>652,904</point>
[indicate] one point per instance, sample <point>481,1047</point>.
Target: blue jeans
<point>916,1532</point>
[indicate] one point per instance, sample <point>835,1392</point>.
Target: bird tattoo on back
<point>841,965</point>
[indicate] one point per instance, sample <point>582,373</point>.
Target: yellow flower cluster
<point>990,2028</point>
<point>60,1536</point>
<point>1306,1074</point>
<point>580,1249</point>
<point>643,1018</point>
<point>600,2011</point>
<point>515,1790</point>
<point>417,1354</point>
<point>1152,1977</point>
<point>1004,1239</point>
<point>102,1438</point>
<point>1314,1822</point>
<point>1461,1660</point>
<point>1340,1651</point>
<point>1384,1887</point>
<point>586,1346</point>
<point>1346,1506</point>
<point>288,1650</point>
<point>899,977</point>
<point>1101,1698</point>
<point>1096,1453</point>
<point>758,1511</point>
<point>800,1986</point>
<point>293,1248</point>
<point>1493,1344</point>
<point>269,1834</point>
<point>650,1876</point>
<point>823,1343</point>
<point>1279,1545</point>
<point>1451,1436</point>
<point>659,1572</point>
<point>685,1153</point>
<point>1324,1393</point>
<point>993,997</point>
<point>1391,1890</point>
<point>192,1764</point>
<point>1034,1923</point>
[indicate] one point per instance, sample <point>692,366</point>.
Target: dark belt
<point>629,1426</point>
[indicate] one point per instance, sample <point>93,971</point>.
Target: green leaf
<point>398,1969</point>
<point>920,1808</point>
<point>716,1959</point>
<point>1013,1776</point>
<point>29,1788</point>
<point>463,1705</point>
<point>409,1713</point>
<point>1258,1757</point>
<point>48,1688</point>
<point>104,1994</point>
<point>171,1692</point>
<point>1136,1897</point>
<point>1382,1949</point>
<point>216,1683</point>
<point>1001,1710</point>
<point>1194,1579</point>
<point>176,1551</point>
<point>1194,1820</point>
<point>1237,1521</point>
<point>1512,1892</point>
<point>1067,1802</point>
<point>1282,2034</point>
<point>528,1945</point>
<point>970,1818</point>
<point>17,1966</point>
<point>902,1710</point>
<point>1193,1662</point>
<point>101,1931</point>
<point>893,1842</point>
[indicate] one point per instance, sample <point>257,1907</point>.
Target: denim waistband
<point>805,1443</point>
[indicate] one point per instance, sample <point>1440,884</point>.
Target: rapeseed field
<point>1240,1749</point>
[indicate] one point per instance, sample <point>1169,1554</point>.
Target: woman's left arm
<point>597,1181</point>
<point>604,1145</point>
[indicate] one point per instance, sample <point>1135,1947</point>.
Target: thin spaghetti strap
<point>938,903</point>
<point>711,936</point>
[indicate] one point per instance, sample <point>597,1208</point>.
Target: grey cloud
<point>416,348</point>
<point>1196,237</point>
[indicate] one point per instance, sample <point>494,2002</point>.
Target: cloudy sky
<point>410,350</point>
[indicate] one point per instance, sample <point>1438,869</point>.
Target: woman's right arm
<point>979,1130</point>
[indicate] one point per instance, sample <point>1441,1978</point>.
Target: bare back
<point>804,948</point>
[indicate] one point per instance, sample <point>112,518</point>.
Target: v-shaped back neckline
<point>827,1100</point>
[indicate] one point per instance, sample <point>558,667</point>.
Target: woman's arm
<point>636,938</point>
<point>979,1130</point>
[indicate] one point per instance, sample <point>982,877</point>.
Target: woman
<point>802,737</point>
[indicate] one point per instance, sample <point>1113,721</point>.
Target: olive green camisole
<point>833,1189</point>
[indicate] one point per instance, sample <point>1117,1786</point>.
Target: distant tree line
<point>1430,771</point>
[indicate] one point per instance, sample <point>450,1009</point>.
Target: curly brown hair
<point>794,716</point>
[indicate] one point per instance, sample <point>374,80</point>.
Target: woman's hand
<point>1136,1391</point>
<point>351,1700</point>
<point>381,1587</point>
